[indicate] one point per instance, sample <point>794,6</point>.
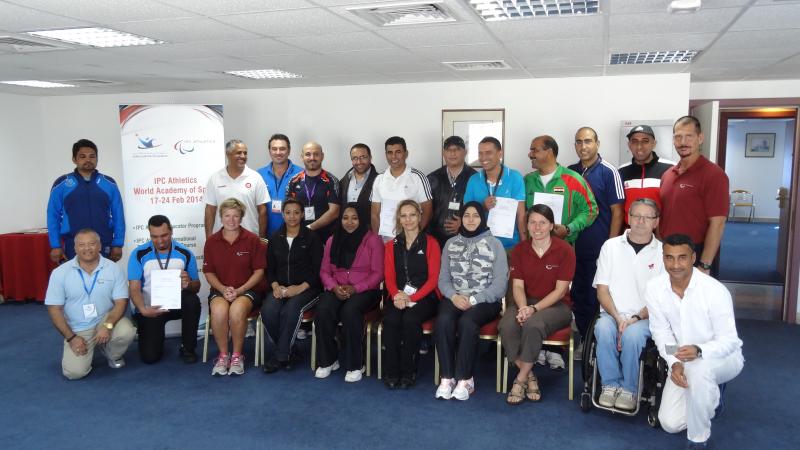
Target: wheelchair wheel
<point>652,418</point>
<point>586,401</point>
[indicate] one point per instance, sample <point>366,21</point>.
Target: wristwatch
<point>636,316</point>
<point>108,325</point>
<point>703,265</point>
<point>699,351</point>
<point>472,300</point>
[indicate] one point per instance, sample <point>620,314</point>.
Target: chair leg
<point>436,366</point>
<point>313,347</point>
<point>369,348</point>
<point>571,364</point>
<point>259,343</point>
<point>505,374</point>
<point>261,337</point>
<point>499,369</point>
<point>205,338</point>
<point>380,350</point>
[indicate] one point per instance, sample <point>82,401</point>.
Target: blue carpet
<point>749,253</point>
<point>174,406</point>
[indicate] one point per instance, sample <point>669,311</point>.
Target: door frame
<point>790,286</point>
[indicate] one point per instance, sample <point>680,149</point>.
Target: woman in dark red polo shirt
<point>541,270</point>
<point>234,263</point>
<point>411,264</point>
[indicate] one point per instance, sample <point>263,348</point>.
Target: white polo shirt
<point>626,273</point>
<point>389,191</point>
<point>249,188</point>
<point>703,317</point>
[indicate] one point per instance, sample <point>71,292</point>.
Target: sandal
<point>517,393</point>
<point>532,391</point>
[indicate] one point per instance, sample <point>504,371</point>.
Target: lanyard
<point>158,258</point>
<point>405,259</point>
<point>88,290</point>
<point>279,183</point>
<point>488,186</point>
<point>310,194</point>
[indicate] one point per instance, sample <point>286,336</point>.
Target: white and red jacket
<point>643,180</point>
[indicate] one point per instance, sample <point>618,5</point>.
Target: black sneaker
<point>188,356</point>
<point>407,382</point>
<point>391,383</point>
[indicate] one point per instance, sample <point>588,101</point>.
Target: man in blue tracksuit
<point>85,198</point>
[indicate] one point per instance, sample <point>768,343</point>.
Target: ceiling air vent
<point>407,13</point>
<point>17,45</point>
<point>92,83</point>
<point>477,65</point>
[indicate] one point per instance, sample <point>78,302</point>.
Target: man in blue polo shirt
<point>85,198</point>
<point>163,253</point>
<point>497,180</point>
<point>609,193</point>
<point>86,299</point>
<point>276,175</point>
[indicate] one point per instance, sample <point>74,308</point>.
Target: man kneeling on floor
<point>86,299</point>
<point>691,318</point>
<point>625,265</point>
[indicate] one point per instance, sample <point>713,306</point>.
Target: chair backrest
<point>741,197</point>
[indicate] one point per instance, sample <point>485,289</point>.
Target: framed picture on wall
<point>759,145</point>
<point>473,125</point>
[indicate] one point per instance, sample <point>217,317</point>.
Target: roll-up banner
<point>168,154</point>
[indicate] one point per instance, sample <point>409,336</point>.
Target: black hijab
<point>481,226</point>
<point>344,245</point>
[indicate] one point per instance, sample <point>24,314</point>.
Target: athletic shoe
<point>424,345</point>
<point>251,329</point>
<point>626,401</point>
<point>608,396</point>
<point>301,334</point>
<point>353,376</point>
<point>577,353</point>
<point>323,372</point>
<point>445,390</point>
<point>113,363</point>
<point>464,389</point>
<point>542,359</point>
<point>555,360</point>
<point>237,364</point>
<point>188,356</point>
<point>221,365</point>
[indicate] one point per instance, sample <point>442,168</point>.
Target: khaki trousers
<point>75,367</point>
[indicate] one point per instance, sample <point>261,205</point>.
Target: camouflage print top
<point>474,266</point>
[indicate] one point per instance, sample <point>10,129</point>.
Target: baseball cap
<point>641,129</point>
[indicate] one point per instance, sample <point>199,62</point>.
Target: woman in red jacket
<point>412,263</point>
<point>352,271</point>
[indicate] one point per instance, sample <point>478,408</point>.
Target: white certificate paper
<point>554,201</point>
<point>165,288</point>
<point>503,217</point>
<point>388,211</point>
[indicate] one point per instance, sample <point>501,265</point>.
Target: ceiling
<point>329,45</point>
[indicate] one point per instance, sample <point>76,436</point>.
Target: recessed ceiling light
<point>406,13</point>
<point>477,65</point>
<point>666,57</point>
<point>493,10</point>
<point>684,6</point>
<point>38,84</point>
<point>96,37</point>
<point>264,74</point>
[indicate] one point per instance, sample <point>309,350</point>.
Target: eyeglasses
<point>644,218</point>
<point>359,158</point>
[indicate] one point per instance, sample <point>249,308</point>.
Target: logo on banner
<point>184,146</point>
<point>146,142</point>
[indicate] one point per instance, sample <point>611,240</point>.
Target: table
<point>25,266</point>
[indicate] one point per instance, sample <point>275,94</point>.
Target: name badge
<point>89,311</point>
<point>276,206</point>
<point>455,206</point>
<point>409,289</point>
<point>309,213</point>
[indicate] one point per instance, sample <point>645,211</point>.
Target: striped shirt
<point>604,180</point>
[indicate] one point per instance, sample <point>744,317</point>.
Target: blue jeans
<point>620,369</point>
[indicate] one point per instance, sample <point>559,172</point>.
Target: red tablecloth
<point>25,266</point>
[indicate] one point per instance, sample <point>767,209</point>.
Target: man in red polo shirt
<point>694,195</point>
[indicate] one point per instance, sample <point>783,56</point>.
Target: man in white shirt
<point>625,265</point>
<point>399,182</point>
<point>238,181</point>
<point>691,318</point>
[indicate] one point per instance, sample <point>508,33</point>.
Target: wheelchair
<point>653,372</point>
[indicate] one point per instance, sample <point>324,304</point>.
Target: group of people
<point>452,245</point>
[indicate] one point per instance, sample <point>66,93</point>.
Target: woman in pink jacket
<point>352,271</point>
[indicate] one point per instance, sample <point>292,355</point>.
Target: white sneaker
<point>625,400</point>
<point>301,335</point>
<point>113,363</point>
<point>463,389</point>
<point>542,359</point>
<point>236,366</point>
<point>353,376</point>
<point>221,365</point>
<point>608,396</point>
<point>323,372</point>
<point>445,390</point>
<point>555,361</point>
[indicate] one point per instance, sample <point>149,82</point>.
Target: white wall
<point>745,89</point>
<point>741,170</point>
<point>24,195</point>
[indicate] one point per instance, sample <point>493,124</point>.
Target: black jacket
<point>364,204</point>
<point>300,263</point>
<point>443,193</point>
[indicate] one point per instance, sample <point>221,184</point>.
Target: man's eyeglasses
<point>359,158</point>
<point>644,218</point>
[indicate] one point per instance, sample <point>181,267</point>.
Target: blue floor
<point>749,253</point>
<point>174,406</point>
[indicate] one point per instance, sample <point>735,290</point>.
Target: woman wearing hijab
<point>352,271</point>
<point>472,280</point>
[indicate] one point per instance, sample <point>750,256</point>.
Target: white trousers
<point>693,408</point>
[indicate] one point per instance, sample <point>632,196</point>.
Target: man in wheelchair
<point>625,265</point>
<point>691,318</point>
